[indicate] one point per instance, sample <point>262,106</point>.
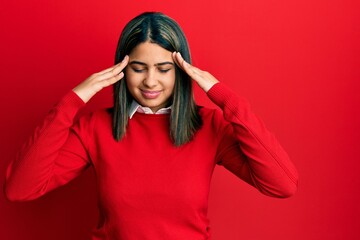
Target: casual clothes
<point>148,188</point>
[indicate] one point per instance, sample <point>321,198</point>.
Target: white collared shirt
<point>136,107</point>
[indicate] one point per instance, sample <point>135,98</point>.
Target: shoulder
<point>212,116</point>
<point>207,112</point>
<point>94,119</point>
<point>91,126</point>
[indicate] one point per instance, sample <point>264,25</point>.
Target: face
<point>150,75</point>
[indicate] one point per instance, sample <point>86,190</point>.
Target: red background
<point>297,62</point>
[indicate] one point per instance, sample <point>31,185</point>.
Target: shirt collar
<point>136,107</point>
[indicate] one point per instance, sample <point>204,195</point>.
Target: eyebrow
<point>144,64</point>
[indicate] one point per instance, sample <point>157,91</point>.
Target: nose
<point>150,80</point>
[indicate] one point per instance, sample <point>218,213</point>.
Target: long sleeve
<point>249,150</point>
<point>51,157</point>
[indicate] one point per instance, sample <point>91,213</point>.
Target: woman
<point>154,152</point>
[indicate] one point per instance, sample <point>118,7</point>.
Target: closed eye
<point>164,70</point>
<point>140,67</point>
<point>138,70</point>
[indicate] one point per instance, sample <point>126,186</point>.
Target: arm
<point>247,148</point>
<point>52,156</point>
<point>55,154</point>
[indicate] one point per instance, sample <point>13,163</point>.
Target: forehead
<point>150,53</point>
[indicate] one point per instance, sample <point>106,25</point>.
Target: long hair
<point>160,29</point>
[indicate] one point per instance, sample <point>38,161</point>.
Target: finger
<point>123,63</point>
<point>177,61</point>
<point>192,71</point>
<point>114,71</point>
<point>106,70</point>
<point>120,65</point>
<point>182,63</point>
<point>109,81</point>
<point>204,79</point>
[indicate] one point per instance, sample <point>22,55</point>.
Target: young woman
<point>155,151</point>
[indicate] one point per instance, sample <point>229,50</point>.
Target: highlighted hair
<point>160,29</point>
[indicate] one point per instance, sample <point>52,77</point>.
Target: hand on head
<point>97,81</point>
<point>204,79</point>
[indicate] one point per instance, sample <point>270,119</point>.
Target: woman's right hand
<point>97,81</point>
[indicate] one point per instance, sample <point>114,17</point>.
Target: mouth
<point>150,94</point>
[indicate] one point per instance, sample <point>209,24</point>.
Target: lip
<point>150,94</point>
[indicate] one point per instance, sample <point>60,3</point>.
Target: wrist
<point>83,95</point>
<point>209,85</point>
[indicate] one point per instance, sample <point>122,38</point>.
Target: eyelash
<point>160,70</point>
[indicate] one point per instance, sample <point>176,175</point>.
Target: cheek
<point>132,79</point>
<point>171,82</point>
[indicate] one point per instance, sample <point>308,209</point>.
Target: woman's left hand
<point>204,79</point>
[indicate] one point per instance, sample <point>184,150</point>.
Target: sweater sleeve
<point>249,150</point>
<point>51,157</point>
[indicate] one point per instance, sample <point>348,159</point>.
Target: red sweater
<point>147,188</point>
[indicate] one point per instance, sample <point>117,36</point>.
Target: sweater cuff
<point>71,103</point>
<point>221,95</point>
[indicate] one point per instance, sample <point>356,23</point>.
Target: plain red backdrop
<point>297,62</point>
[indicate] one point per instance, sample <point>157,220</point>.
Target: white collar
<point>136,107</point>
